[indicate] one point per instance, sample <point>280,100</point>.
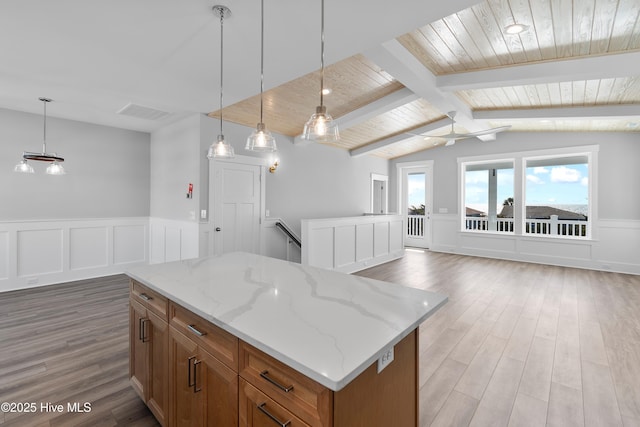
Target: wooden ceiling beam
<point>396,60</point>
<point>576,69</point>
<point>617,111</point>
<point>383,143</point>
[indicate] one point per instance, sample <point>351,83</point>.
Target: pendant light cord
<point>261,57</point>
<point>221,64</point>
<point>321,52</point>
<point>44,130</point>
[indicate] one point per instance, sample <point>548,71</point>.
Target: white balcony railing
<point>415,226</point>
<point>549,227</point>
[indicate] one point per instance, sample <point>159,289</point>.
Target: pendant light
<point>220,148</point>
<point>321,127</point>
<point>261,139</point>
<point>55,168</point>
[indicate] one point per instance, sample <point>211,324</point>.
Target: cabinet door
<point>158,347</point>
<point>138,349</point>
<point>220,387</point>
<point>186,403</point>
<point>258,410</point>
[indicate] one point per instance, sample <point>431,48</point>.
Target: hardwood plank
<point>565,407</point>
<point>528,412</point>
<point>600,403</point>
<point>536,378</point>
<point>457,411</point>
<point>479,372</point>
<point>438,388</point>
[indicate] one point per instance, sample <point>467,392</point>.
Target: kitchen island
<point>274,342</point>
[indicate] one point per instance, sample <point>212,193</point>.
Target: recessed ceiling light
<point>326,91</point>
<point>515,29</point>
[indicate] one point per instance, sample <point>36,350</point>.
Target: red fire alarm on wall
<point>190,191</point>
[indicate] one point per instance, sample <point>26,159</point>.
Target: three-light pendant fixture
<point>320,127</point>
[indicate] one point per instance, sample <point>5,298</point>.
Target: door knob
<point>218,229</point>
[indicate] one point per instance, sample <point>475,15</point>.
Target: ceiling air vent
<point>142,112</point>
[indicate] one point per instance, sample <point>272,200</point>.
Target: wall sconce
<point>274,166</point>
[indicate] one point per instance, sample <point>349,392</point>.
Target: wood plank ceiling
<point>471,62</point>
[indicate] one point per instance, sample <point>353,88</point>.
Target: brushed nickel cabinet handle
<point>195,376</point>
<point>262,409</point>
<point>196,331</point>
<point>189,382</point>
<point>265,374</point>
<point>145,297</point>
<point>141,323</point>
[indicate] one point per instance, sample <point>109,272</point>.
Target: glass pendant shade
<point>321,127</point>
<point>23,167</point>
<point>220,149</point>
<point>55,168</point>
<point>261,140</point>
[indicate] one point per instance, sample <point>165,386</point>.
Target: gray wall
<point>618,172</point>
<point>107,170</point>
<point>312,181</point>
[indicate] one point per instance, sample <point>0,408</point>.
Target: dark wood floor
<point>517,344</point>
<point>69,343</point>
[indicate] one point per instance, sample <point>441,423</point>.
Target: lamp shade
<point>23,167</point>
<point>220,149</point>
<point>261,140</point>
<point>321,127</point>
<point>55,168</point>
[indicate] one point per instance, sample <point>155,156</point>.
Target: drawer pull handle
<point>141,323</point>
<point>195,331</point>
<point>265,374</point>
<point>195,376</point>
<point>262,409</point>
<point>145,297</point>
<point>190,382</point>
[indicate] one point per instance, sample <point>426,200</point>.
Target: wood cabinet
<point>148,347</point>
<point>203,390</point>
<point>191,372</point>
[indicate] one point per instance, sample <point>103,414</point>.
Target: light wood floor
<point>517,344</point>
<point>524,344</point>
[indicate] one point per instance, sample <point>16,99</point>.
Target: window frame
<point>519,177</point>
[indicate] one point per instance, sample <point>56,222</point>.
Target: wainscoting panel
<point>615,246</point>
<point>129,244</point>
<point>173,240</point>
<point>35,253</point>
<point>4,255</point>
<point>39,252</point>
<point>345,245</point>
<point>88,247</point>
<point>353,243</point>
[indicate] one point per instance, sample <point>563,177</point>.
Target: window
<point>488,188</point>
<point>557,196</point>
<point>546,194</point>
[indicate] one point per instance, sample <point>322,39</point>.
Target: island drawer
<point>257,409</point>
<point>305,398</point>
<point>212,338</point>
<point>149,298</point>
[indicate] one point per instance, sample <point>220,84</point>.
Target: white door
<point>416,204</point>
<point>236,205</point>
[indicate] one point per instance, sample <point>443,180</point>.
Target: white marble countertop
<point>329,326</point>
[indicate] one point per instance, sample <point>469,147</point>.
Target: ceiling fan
<point>453,136</point>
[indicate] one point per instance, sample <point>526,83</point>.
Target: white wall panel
<point>380,239</point>
<point>173,239</point>
<point>364,242</point>
<point>4,255</point>
<point>321,252</point>
<point>129,244</point>
<point>88,247</point>
<point>345,245</point>
<point>357,242</point>
<point>39,252</point>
